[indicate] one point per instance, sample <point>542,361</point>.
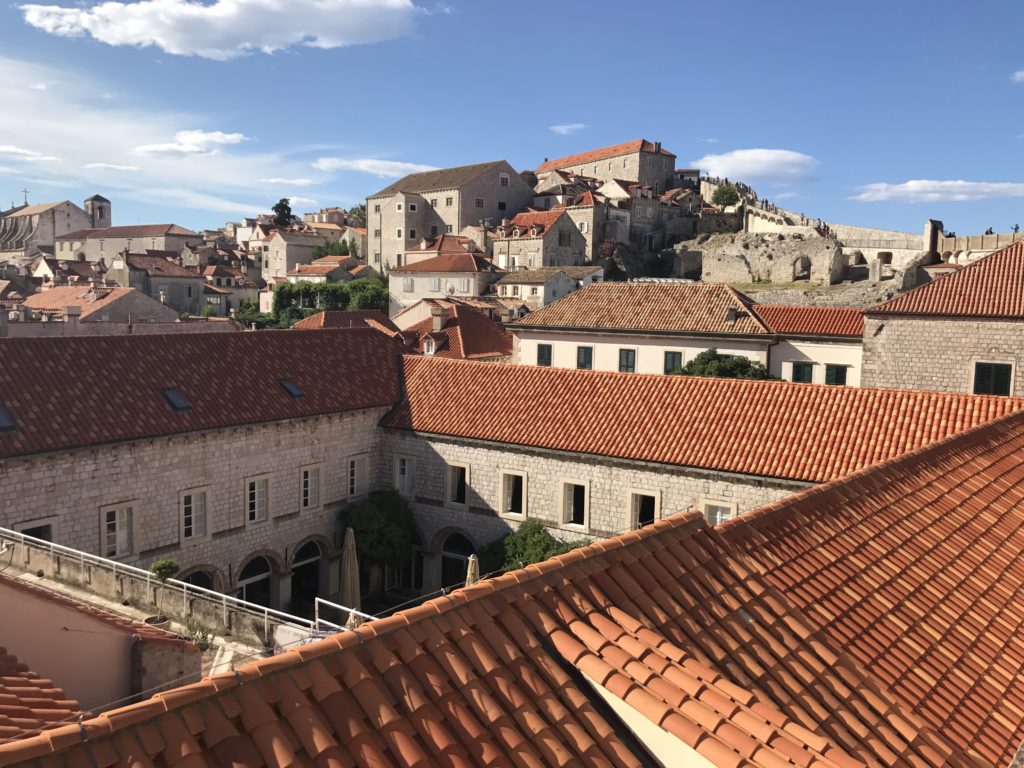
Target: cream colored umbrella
<point>350,578</point>
<point>472,570</point>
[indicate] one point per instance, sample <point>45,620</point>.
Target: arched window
<point>254,581</point>
<point>455,554</point>
<point>202,579</point>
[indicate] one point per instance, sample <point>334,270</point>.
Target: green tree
<point>711,363</point>
<point>384,526</point>
<point>529,543</point>
<point>357,215</point>
<point>162,570</point>
<point>249,314</point>
<point>368,293</point>
<point>335,248</point>
<point>283,212</point>
<point>353,249</point>
<point>725,194</point>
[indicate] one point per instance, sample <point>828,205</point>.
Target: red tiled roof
<point>338,370</point>
<point>455,261</point>
<point>543,219</point>
<point>668,620</point>
<point>355,318</point>
<point>159,266</point>
<point>657,307</point>
<point>447,244</point>
<point>57,298</point>
<point>801,432</point>
<point>990,287</point>
<point>916,569</point>
<point>627,148</point>
<point>812,321</point>
<point>136,230</point>
<point>465,335</point>
<point>316,269</point>
<point>28,702</point>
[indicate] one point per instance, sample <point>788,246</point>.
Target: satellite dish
<point>449,289</point>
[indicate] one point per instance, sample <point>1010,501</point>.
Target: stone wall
<point>749,258</point>
<point>609,484</point>
<point>938,354</point>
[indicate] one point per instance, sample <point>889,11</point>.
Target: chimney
<point>730,315</point>
<point>3,323</point>
<point>163,296</point>
<point>657,146</point>
<point>72,314</point>
<point>436,318</point>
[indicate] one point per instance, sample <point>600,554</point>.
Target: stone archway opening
<point>802,269</point>
<point>201,578</point>
<point>455,554</point>
<point>255,581</point>
<point>309,576</point>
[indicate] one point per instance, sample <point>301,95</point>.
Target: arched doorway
<point>307,573</point>
<point>200,578</point>
<point>254,581</point>
<point>802,268</point>
<point>455,554</point>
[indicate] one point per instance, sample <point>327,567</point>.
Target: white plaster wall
<point>788,351</point>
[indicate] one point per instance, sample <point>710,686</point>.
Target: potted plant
<point>163,570</point>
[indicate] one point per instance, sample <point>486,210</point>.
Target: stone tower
<point>98,208</point>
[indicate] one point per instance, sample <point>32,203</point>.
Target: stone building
<point>642,161</point>
<point>539,287</point>
<point>87,304</point>
<point>453,330</point>
<point>962,332</point>
<point>433,203</point>
<point>158,275</point>
<point>29,230</point>
<point>659,327</point>
<point>281,251</point>
<point>537,239</point>
<point>453,273</point>
<point>102,244</point>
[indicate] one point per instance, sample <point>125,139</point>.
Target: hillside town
<point>511,447</point>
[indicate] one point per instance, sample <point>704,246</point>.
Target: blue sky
<point>880,113</point>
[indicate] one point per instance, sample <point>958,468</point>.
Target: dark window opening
<point>835,374</point>
<point>627,361</point>
<point>7,422</point>
<point>673,362</point>
<point>643,508</point>
<point>992,378</point>
<point>585,358</point>
<point>293,389</point>
<point>177,400</point>
<point>576,504</point>
<point>457,485</point>
<point>544,355</point>
<point>803,373</point>
<point>513,495</point>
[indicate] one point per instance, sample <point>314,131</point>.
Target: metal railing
<point>188,591</point>
<point>907,245</point>
<point>352,615</point>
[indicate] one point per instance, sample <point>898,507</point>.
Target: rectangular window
<point>503,180</point>
<point>188,291</point>
<point>583,226</point>
<point>412,206</point>
<point>356,476</point>
<point>803,373</point>
<point>544,355</point>
<point>398,233</point>
<point>398,207</point>
<point>448,228</point>
<point>311,487</point>
<point>408,284</point>
<point>585,358</point>
<point>448,201</point>
<point>464,285</point>
<point>433,230</point>
<point>643,509</point>
<point>627,361</point>
<point>257,498</point>
<point>376,208</point>
<point>435,283</point>
<point>534,290</point>
<point>479,202</point>
<point>376,233</point>
<point>501,205</point>
<point>412,234</point>
<point>193,515</point>
<point>117,532</point>
<point>457,481</point>
<point>564,238</point>
<point>992,378</point>
<point>835,374</point>
<point>673,362</point>
<point>717,511</point>
<point>404,476</point>
<point>574,504</point>
<point>433,202</point>
<point>513,494</point>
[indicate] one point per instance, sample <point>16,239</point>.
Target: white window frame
<point>503,499</point>
<point>503,180</point>
<point>356,470</point>
<point>247,495</point>
<point>310,493</point>
<point>991,361</point>
<point>409,491</point>
<point>564,509</point>
<point>633,507</point>
<point>448,486</point>
<point>705,504</point>
<point>200,531</point>
<point>464,285</point>
<point>128,508</point>
<point>408,285</point>
<point>53,521</point>
<point>435,284</point>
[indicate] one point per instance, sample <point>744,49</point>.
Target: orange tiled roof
<point>812,321</point>
<point>801,432</point>
<point>57,298</point>
<point>466,334</point>
<point>668,620</point>
<point>455,261</point>
<point>545,220</point>
<point>446,244</point>
<point>316,269</point>
<point>658,307</point>
<point>159,266</point>
<point>355,318</point>
<point>627,148</point>
<point>915,569</point>
<point>28,702</point>
<point>990,287</point>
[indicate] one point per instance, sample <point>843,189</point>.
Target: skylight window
<point>177,400</point>
<point>7,422</point>
<point>293,389</point>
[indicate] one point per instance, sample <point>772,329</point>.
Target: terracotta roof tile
<point>466,334</point>
<point>454,261</point>
<point>356,318</point>
<point>914,569</point>
<point>627,148</point>
<point>159,266</point>
<point>34,383</point>
<point>135,230</point>
<point>812,321</point>
<point>87,299</point>
<point>29,703</point>
<point>658,307</point>
<point>990,287</point>
<point>774,429</point>
<point>490,675</point>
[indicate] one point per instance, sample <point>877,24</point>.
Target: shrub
<point>384,527</point>
<point>529,543</point>
<point>711,363</point>
<point>725,194</point>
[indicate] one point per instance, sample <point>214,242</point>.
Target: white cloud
<point>5,170</point>
<point>110,167</point>
<point>1018,76</point>
<point>290,182</point>
<point>27,155</point>
<point>193,143</point>
<point>387,169</point>
<point>295,200</point>
<point>775,166</point>
<point>225,29</point>
<point>40,86</point>
<point>709,141</point>
<point>564,129</point>
<point>933,191</point>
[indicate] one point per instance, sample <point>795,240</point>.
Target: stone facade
<point>651,168</point>
<point>93,249</point>
<point>609,483</point>
<point>71,492</point>
<point>746,258</point>
<point>939,353</point>
<point>25,230</point>
<point>560,245</point>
